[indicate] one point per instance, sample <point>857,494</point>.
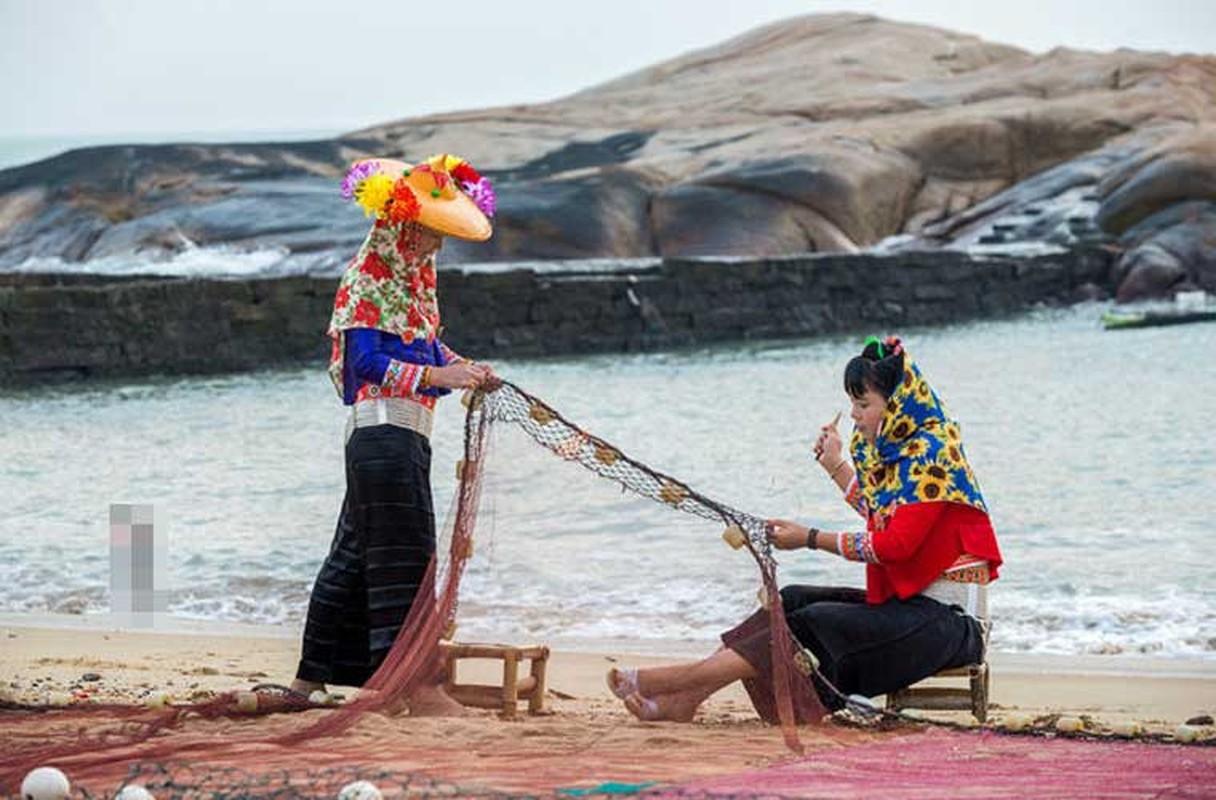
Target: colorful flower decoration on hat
<point>482,195</point>
<point>358,173</point>
<point>373,194</point>
<point>404,206</point>
<point>471,182</point>
<point>394,200</point>
<point>379,194</point>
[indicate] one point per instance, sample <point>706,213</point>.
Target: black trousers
<point>382,546</point>
<point>862,649</point>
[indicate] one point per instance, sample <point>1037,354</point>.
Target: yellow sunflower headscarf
<point>918,455</point>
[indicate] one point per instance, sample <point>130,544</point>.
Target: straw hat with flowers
<point>444,193</point>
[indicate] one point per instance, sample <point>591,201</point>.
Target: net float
<point>45,783</point>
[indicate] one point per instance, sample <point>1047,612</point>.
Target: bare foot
<point>433,701</point>
<point>676,707</point>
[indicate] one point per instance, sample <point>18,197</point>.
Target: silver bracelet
<point>836,469</point>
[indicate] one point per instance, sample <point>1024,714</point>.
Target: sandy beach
<point>585,736</point>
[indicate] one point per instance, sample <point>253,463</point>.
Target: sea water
<point>1094,450</point>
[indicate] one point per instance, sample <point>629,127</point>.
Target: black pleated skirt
<point>384,541</point>
<point>862,648</point>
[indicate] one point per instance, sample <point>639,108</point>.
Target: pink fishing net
<point>932,764</point>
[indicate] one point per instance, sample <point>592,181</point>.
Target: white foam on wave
<point>501,596</point>
<point>261,610</point>
<point>192,261</point>
<point>1165,625</point>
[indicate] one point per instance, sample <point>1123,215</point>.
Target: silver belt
<point>972,598</point>
<point>399,411</point>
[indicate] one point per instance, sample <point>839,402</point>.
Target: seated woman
<point>929,550</point>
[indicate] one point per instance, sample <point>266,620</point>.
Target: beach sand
<point>586,736</point>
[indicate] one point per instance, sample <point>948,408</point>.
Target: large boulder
<point>846,196</point>
<point>824,132</point>
<point>1180,169</point>
<point>1167,252</point>
<point>1161,205</point>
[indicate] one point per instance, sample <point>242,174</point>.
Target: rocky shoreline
<point>73,327</point>
<point>834,133</point>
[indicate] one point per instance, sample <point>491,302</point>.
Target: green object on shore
<point>1113,320</point>
<point>608,788</point>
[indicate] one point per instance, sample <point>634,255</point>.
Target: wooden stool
<point>948,698</point>
<point>512,690</point>
<point>953,698</point>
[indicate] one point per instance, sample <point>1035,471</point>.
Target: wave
<point>193,261</point>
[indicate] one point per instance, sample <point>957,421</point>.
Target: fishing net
<point>241,745</point>
<point>100,740</point>
<point>927,765</point>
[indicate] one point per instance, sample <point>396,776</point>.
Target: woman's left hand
<point>829,448</point>
<point>786,535</point>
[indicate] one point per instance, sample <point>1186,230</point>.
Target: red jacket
<point>918,543</point>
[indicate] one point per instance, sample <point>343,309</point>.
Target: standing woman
<point>389,364</point>
<point>928,547</point>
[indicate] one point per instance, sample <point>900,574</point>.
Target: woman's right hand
<point>461,375</point>
<point>786,535</point>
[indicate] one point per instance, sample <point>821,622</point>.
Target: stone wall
<point>76,326</point>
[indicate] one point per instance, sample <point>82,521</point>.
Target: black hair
<point>876,368</point>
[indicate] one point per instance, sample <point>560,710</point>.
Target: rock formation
<point>830,133</point>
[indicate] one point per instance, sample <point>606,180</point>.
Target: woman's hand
<point>491,381</point>
<point>461,375</point>
<point>786,535</point>
<point>829,449</point>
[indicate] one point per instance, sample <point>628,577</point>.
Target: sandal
<point>644,708</point>
<point>623,681</point>
<point>284,692</point>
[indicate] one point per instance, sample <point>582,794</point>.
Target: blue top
<point>369,351</point>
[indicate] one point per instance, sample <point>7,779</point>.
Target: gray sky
<point>110,67</point>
